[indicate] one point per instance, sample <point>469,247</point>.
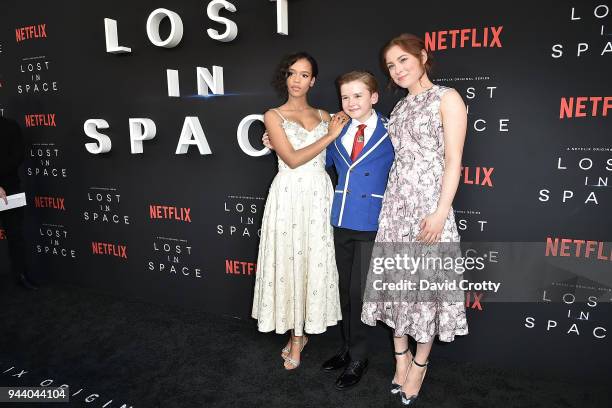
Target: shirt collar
<point>370,123</point>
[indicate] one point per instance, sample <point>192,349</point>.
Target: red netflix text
<point>578,248</point>
<point>582,106</point>
<point>57,203</point>
<point>40,119</point>
<point>240,267</point>
<point>170,213</point>
<point>104,248</point>
<point>30,32</point>
<point>480,176</point>
<point>472,300</point>
<point>487,37</point>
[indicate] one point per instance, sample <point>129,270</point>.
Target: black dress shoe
<point>337,362</point>
<point>352,374</point>
<point>26,283</point>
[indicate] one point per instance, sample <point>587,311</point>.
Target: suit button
<point>366,174</point>
<point>363,196</point>
<point>350,170</point>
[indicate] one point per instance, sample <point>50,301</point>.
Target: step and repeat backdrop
<point>146,178</point>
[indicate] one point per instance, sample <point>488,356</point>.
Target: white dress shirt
<point>349,136</point>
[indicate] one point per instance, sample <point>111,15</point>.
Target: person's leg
<point>345,248</point>
<point>417,370</point>
<point>360,333</point>
<point>294,357</point>
<point>403,359</point>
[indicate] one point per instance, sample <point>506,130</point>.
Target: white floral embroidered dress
<point>296,285</point>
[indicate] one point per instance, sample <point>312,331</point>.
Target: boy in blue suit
<point>362,156</point>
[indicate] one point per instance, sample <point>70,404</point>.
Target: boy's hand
<point>266,141</point>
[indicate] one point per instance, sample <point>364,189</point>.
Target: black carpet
<point>145,355</point>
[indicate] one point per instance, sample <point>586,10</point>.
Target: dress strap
<point>279,114</point>
<point>321,116</point>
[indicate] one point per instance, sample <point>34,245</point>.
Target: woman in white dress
<point>296,286</point>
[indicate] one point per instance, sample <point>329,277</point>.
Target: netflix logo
<point>578,248</point>
<point>473,300</point>
<point>487,37</point>
<point>583,106</point>
<point>31,32</point>
<point>56,203</point>
<point>170,213</point>
<point>235,267</point>
<point>480,176</point>
<point>104,248</point>
<point>40,120</point>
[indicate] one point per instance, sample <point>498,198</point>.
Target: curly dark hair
<point>279,82</point>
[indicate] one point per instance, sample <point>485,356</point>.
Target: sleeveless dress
<point>296,285</point>
<point>413,191</point>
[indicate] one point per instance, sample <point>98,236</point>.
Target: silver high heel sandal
<point>410,399</point>
<point>395,388</point>
<point>286,349</point>
<point>292,363</point>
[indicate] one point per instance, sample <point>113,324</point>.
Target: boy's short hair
<point>364,76</point>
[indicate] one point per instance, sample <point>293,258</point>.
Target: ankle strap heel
<point>420,365</point>
<point>395,387</point>
<point>410,399</point>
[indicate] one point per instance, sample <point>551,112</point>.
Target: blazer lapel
<point>340,147</point>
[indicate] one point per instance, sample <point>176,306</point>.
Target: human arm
<point>454,124</point>
<point>329,162</point>
<point>295,158</point>
<point>265,139</point>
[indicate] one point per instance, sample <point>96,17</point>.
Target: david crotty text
<point>424,284</point>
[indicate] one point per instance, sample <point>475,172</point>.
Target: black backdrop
<point>517,86</point>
